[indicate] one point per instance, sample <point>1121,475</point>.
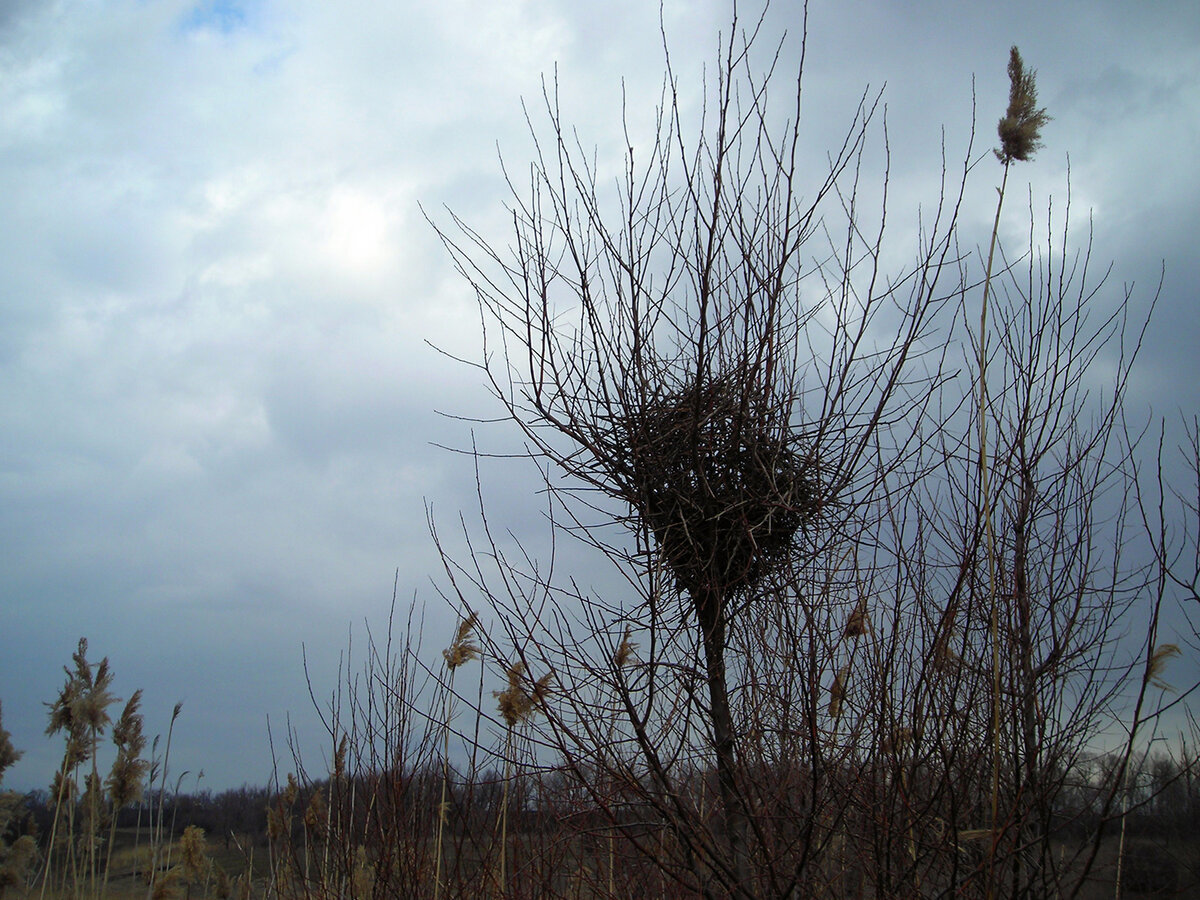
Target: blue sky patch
<point>225,16</point>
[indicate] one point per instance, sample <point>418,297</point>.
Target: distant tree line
<point>227,815</point>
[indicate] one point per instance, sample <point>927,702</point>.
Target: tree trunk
<point>733,827</point>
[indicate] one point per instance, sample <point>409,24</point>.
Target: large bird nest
<point>723,483</point>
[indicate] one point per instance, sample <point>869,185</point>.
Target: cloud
<point>217,392</point>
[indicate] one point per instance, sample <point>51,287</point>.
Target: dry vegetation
<point>113,836</point>
<point>894,590</point>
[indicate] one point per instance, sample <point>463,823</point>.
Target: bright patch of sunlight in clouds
<point>360,239</point>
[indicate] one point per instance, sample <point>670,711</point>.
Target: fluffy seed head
<point>1158,663</point>
<point>858,624</point>
<point>1021,128</point>
<point>837,693</point>
<point>128,730</point>
<point>315,815</point>
<point>516,703</point>
<point>625,650</point>
<point>339,758</point>
<point>463,649</point>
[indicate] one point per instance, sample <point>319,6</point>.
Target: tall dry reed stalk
<point>83,828</point>
<point>81,711</point>
<point>517,703</point>
<point>381,809</point>
<point>159,858</point>
<point>462,650</point>
<point>129,769</point>
<point>1020,137</point>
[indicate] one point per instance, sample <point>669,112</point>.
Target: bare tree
<point>768,434</point>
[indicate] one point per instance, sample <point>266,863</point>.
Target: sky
<point>222,416</point>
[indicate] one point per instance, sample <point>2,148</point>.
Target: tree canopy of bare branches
<point>871,619</point>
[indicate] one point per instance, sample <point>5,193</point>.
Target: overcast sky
<point>218,403</point>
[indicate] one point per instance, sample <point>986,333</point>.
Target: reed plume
<point>837,693</point>
<point>194,850</point>
<point>858,624</point>
<point>1021,128</point>
<point>463,649</point>
<point>625,650</point>
<point>516,703</point>
<point>1157,664</point>
<point>129,770</point>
